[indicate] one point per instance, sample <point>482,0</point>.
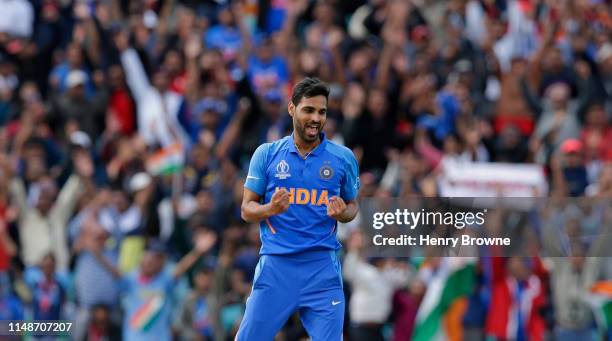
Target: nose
<point>317,118</point>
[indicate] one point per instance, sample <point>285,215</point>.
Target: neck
<point>305,147</point>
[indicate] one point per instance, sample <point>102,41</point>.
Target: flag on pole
<point>600,300</point>
<point>445,300</point>
<point>168,160</point>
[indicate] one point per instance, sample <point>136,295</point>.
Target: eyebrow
<point>313,108</point>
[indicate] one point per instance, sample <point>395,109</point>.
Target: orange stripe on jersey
<point>270,226</point>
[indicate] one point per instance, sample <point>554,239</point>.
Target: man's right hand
<point>279,202</point>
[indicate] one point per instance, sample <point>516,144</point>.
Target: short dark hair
<point>309,87</point>
<point>98,306</point>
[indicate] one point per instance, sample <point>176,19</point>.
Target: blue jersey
<point>329,170</point>
<point>147,304</point>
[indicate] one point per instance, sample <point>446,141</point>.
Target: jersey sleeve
<point>256,178</point>
<point>126,283</point>
<point>350,182</point>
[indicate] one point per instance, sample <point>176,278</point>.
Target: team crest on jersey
<point>326,172</point>
<point>282,170</point>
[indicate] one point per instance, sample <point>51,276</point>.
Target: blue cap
<point>210,105</point>
<point>273,95</point>
<point>157,245</point>
<point>259,38</point>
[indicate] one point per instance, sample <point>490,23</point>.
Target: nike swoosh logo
<point>336,302</point>
<point>252,177</point>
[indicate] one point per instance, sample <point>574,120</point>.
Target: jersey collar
<point>318,149</point>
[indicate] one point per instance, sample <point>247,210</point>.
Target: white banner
<point>490,179</point>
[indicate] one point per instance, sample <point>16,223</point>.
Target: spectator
<point>121,114</point>
<point>48,292</point>
<point>161,112</point>
<point>60,76</point>
<point>604,59</point>
<point>74,111</point>
<point>510,146</point>
<point>8,250</point>
<point>101,327</point>
<point>149,316</point>
<point>43,227</point>
<point>94,283</point>
<point>571,282</point>
<point>373,285</point>
<point>569,171</point>
<point>594,132</point>
<point>12,307</point>
<point>200,311</point>
<point>603,187</point>
<point>559,116</point>
<point>225,36</point>
<point>515,284</point>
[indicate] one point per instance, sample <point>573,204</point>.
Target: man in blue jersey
<point>298,188</point>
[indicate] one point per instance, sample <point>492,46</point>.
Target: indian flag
<point>600,299</point>
<point>148,312</point>
<point>168,160</point>
<point>441,311</point>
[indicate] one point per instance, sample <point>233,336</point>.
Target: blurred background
<point>126,129</point>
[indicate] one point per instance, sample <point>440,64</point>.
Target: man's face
<point>161,81</point>
<point>377,103</point>
<point>226,18</point>
<point>100,317</point>
<point>115,77</point>
<point>324,13</point>
<point>518,269</point>
<point>596,116</point>
<point>45,200</point>
<point>577,262</point>
<point>120,201</point>
<point>573,159</point>
<point>152,263</point>
<point>309,117</point>
<point>205,201</point>
<point>77,92</point>
<point>558,94</point>
<point>75,58</point>
<point>35,165</point>
<point>173,62</point>
<point>265,52</point>
<point>47,265</point>
<point>553,60</point>
<point>200,156</point>
<point>47,195</point>
<point>203,281</point>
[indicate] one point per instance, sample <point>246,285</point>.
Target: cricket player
<point>298,188</point>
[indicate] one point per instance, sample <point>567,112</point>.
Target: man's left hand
<point>336,207</point>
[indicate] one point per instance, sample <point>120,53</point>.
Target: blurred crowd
<point>91,91</point>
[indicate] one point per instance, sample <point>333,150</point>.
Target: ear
<point>291,108</point>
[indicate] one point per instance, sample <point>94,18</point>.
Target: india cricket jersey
<point>329,170</point>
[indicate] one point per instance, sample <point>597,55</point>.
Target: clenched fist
<point>336,207</point>
<point>279,202</point>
